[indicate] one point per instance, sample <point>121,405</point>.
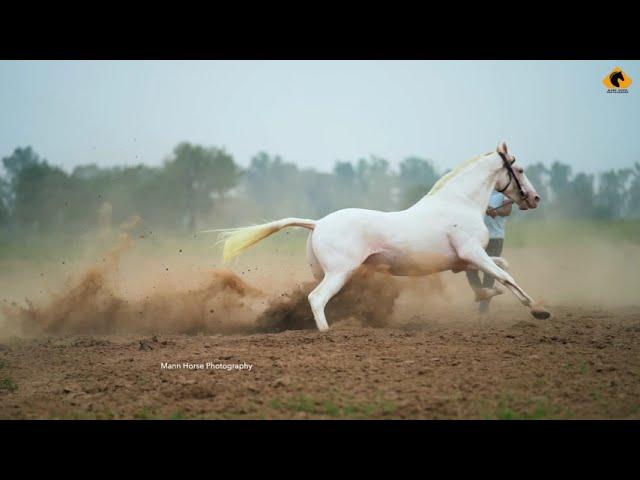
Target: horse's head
<point>513,182</point>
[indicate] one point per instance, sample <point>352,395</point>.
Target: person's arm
<point>503,211</point>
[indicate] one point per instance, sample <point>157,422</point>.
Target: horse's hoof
<point>540,313</point>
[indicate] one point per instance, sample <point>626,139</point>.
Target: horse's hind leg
<point>338,256</point>
<point>312,260</point>
<point>320,296</point>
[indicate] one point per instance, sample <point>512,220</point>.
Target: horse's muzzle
<point>530,201</point>
<point>533,200</point>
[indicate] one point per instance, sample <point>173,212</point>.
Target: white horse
<point>442,231</point>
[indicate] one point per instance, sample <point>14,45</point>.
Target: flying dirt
<point>222,302</point>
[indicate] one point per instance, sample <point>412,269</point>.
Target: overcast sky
<point>316,112</point>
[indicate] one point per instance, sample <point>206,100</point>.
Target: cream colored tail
<point>236,240</point>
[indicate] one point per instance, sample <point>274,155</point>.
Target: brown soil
<point>584,363</point>
<point>92,345</point>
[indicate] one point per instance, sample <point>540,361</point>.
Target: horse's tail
<point>236,240</point>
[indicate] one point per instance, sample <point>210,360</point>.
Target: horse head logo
<point>617,79</point>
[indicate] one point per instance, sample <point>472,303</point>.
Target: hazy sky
<point>316,112</point>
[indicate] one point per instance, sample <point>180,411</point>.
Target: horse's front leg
<point>484,293</point>
<point>500,261</point>
<point>470,250</point>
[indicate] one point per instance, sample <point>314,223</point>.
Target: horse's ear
<point>502,148</point>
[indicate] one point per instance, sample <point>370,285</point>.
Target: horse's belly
<point>412,264</point>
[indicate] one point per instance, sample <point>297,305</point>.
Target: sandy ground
<point>584,363</point>
<point>90,339</point>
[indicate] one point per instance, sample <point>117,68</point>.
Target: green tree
<point>345,174</point>
<point>376,183</point>
<point>415,171</point>
<point>539,174</point>
<point>633,193</point>
<point>416,178</point>
<point>580,203</point>
<point>39,194</point>
<point>559,179</point>
<point>4,203</point>
<point>344,186</point>
<point>196,176</point>
<point>611,195</point>
<point>20,159</point>
<point>278,188</point>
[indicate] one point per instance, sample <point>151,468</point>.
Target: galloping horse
<point>442,231</point>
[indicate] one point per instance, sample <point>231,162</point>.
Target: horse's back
<point>354,224</point>
<point>354,231</point>
<point>352,216</point>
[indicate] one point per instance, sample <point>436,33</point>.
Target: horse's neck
<point>471,187</point>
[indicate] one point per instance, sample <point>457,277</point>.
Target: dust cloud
<point>368,298</point>
<point>96,300</point>
<point>121,291</point>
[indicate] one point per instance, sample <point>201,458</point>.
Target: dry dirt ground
<point>87,338</point>
<point>582,363</point>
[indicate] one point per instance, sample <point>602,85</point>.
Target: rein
<point>512,176</point>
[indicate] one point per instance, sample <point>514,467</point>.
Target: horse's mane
<point>453,173</point>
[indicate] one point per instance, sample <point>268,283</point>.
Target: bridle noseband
<point>512,176</point>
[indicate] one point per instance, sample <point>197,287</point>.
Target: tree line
<point>203,187</point>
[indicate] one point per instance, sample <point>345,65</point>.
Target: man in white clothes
<point>495,220</point>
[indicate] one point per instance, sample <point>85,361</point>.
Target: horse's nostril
<point>536,198</point>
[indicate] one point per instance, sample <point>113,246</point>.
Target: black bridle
<point>512,176</point>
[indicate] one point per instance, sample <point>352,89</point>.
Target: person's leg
<point>473,276</point>
<point>494,249</point>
